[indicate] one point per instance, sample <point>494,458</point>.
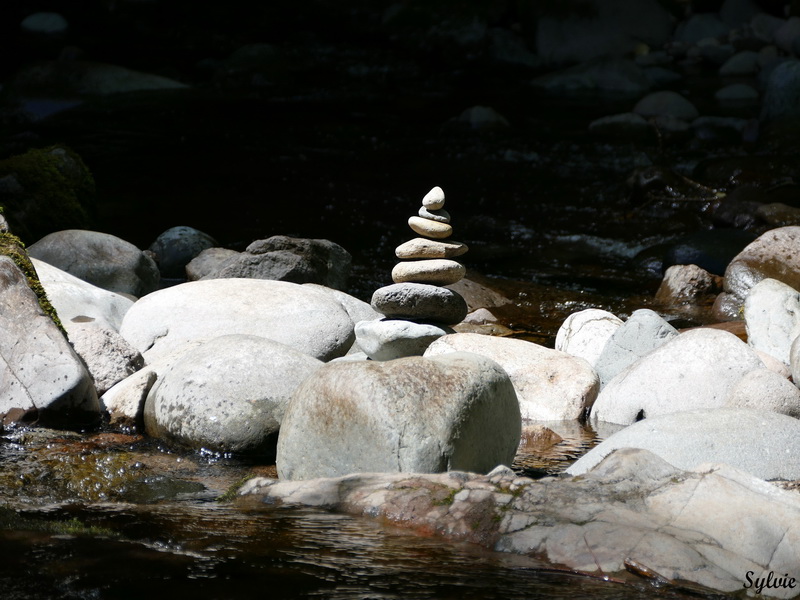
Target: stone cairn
<point>417,308</point>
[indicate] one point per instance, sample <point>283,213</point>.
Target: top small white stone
<point>434,200</point>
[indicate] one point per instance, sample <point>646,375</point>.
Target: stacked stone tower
<point>417,307</point>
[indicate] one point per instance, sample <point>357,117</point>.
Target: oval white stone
<point>431,229</point>
<point>434,200</point>
<point>437,271</point>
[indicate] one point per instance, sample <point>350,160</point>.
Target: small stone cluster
<point>417,307</point>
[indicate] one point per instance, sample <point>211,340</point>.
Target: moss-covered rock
<point>12,246</point>
<point>45,190</point>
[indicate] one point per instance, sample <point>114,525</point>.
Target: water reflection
<point>216,552</point>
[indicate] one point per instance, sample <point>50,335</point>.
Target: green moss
<point>446,500</point>
<point>12,246</point>
<point>50,189</point>
<point>230,493</point>
<point>12,520</point>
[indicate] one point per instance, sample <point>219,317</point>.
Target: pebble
<point>431,229</point>
<point>424,248</point>
<point>441,215</point>
<point>437,271</point>
<point>434,200</point>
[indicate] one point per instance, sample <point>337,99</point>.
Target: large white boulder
<point>585,333</point>
<point>39,370</point>
<point>76,300</point>
<point>227,395</point>
<point>696,369</point>
<point>759,442</point>
<point>296,315</point>
<point>550,385</point>
<point>772,317</point>
<point>643,332</point>
<point>414,414</point>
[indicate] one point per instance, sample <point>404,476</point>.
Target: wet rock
<point>299,316</point>
<point>45,23</point>
<point>666,102</point>
<point>483,118</point>
<point>625,125</point>
<point>766,390</point>
<point>297,260</point>
<point>633,504</point>
<point>107,355</point>
<point>421,302</point>
<point>101,259</point>
<point>700,26</point>
<point>772,255</point>
<point>388,339</point>
<point>687,284</point>
<point>618,76</point>
<point>710,250</point>
<point>781,101</point>
<point>550,385</point>
<point>736,93</point>
<point>777,214</point>
<point>696,369</point>
<point>735,13</point>
<point>209,261</point>
<point>581,32</point>
<point>85,79</point>
<point>227,395</point>
<point>772,316</point>
<point>412,414</point>
<point>643,332</point>
<point>741,63</point>
<point>178,246</point>
<point>40,370</point>
<point>78,301</point>
<point>585,333</point>
<point>477,294</point>
<point>753,440</point>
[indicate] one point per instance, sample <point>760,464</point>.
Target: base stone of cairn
<point>418,309</point>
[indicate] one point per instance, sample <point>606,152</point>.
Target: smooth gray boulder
<point>227,395</point>
<point>762,443</point>
<point>666,103</point>
<point>643,332</point>
<point>713,526</point>
<point>208,261</point>
<point>781,102</point>
<point>101,259</point>
<point>299,316</point>
<point>772,317</point>
<point>39,370</point>
<point>107,355</point>
<point>585,333</point>
<point>696,369</point>
<point>388,339</point>
<point>764,389</point>
<point>176,247</point>
<point>772,255</point>
<point>78,301</point>
<point>284,258</point>
<point>424,415</point>
<point>550,385</point>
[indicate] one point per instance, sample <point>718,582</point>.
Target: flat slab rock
<point>712,526</point>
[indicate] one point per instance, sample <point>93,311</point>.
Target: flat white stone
<point>425,248</point>
<point>436,271</point>
<point>431,229</point>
